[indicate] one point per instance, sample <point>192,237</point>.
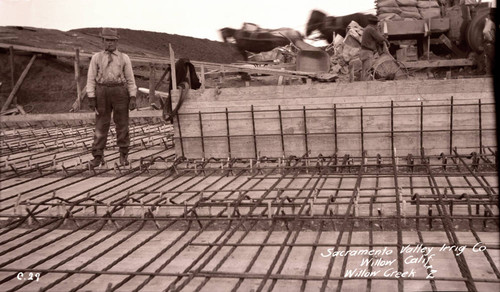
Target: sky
<point>195,18</point>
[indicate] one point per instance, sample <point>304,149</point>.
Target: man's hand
<point>92,103</point>
<point>132,105</point>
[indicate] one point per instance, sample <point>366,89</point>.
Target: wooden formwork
<point>337,118</point>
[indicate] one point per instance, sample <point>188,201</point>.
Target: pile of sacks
<point>407,9</point>
<point>344,52</point>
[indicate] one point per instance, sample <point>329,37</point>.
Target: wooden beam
<point>202,77</point>
<point>280,78</point>
<point>222,74</point>
<point>152,87</point>
<point>147,91</point>
<point>137,61</point>
<point>420,26</point>
<point>77,72</point>
<point>445,40</point>
<point>172,67</point>
<point>77,105</point>
<point>166,74</point>
<point>429,43</point>
<point>12,69</point>
<point>439,63</point>
<point>20,109</point>
<point>18,84</point>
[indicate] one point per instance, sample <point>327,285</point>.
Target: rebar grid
<point>257,223</point>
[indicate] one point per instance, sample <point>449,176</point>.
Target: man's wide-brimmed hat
<point>109,33</point>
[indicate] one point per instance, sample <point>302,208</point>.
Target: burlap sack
<point>391,9</point>
<point>387,3</point>
<point>406,2</point>
<point>351,48</point>
<point>427,4</point>
<point>355,30</point>
<point>389,16</point>
<point>412,15</point>
<point>428,13</point>
<point>411,9</point>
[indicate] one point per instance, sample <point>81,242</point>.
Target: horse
<point>259,40</point>
<point>326,25</point>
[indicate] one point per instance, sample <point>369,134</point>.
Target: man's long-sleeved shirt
<point>371,37</point>
<point>103,70</point>
<point>489,31</point>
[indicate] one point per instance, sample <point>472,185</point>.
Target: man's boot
<point>96,161</point>
<point>123,159</point>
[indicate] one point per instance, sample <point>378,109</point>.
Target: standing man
<point>489,42</point>
<point>110,88</point>
<point>370,41</point>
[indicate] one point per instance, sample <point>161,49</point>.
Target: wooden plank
<point>319,100</point>
<point>12,68</point>
<point>451,46</point>
<point>402,28</point>
<point>77,72</point>
<point>87,56</point>
<point>20,109</point>
<point>152,71</point>
<point>77,104</point>
<point>18,84</point>
<point>202,77</point>
<point>197,102</point>
<point>140,60</point>
<point>166,74</point>
<point>439,63</point>
<point>172,67</point>
<point>320,131</point>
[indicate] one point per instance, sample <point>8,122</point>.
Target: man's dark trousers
<point>111,99</point>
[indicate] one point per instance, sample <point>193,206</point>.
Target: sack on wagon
<point>387,3</point>
<point>428,13</point>
<point>427,4</point>
<point>407,3</point>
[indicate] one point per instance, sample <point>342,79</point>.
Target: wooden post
<point>451,46</point>
<point>202,77</point>
<point>280,78</point>
<point>221,76</point>
<point>77,104</point>
<point>77,72</point>
<point>166,74</point>
<point>18,84</point>
<point>152,76</point>
<point>172,68</point>
<point>12,78</point>
<point>429,41</point>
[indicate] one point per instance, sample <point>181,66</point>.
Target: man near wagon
<point>111,88</point>
<point>371,40</point>
<point>489,42</point>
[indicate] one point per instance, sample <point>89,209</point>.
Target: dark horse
<point>260,40</point>
<point>338,24</point>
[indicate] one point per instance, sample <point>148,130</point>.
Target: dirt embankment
<point>50,85</point>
